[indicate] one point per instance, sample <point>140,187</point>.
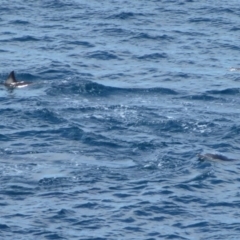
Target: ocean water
<point>125,95</point>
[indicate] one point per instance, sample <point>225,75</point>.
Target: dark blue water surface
<point>125,94</point>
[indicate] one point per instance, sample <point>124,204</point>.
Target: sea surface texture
<point>104,144</point>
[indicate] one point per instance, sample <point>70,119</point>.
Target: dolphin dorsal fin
<point>11,78</point>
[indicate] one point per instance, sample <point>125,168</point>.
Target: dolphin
<point>234,69</point>
<point>214,157</point>
<point>11,82</point>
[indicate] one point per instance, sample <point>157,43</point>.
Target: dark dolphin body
<point>11,82</point>
<point>214,157</point>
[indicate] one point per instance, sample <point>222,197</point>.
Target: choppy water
<point>125,94</point>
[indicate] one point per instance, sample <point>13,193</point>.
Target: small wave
<point>96,89</point>
<point>4,226</point>
<point>24,39</point>
<point>102,55</point>
<point>81,43</point>
<point>55,4</point>
<point>203,97</point>
<point>199,19</point>
<point>124,15</point>
<point>54,182</point>
<point>45,115</point>
<point>232,133</point>
<point>118,32</point>
<point>163,37</point>
<point>153,56</point>
<point>20,22</point>
<point>228,91</point>
<point>3,137</point>
<point>230,46</point>
<point>87,205</point>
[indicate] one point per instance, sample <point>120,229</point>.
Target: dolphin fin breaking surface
<point>11,82</point>
<point>11,78</point>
